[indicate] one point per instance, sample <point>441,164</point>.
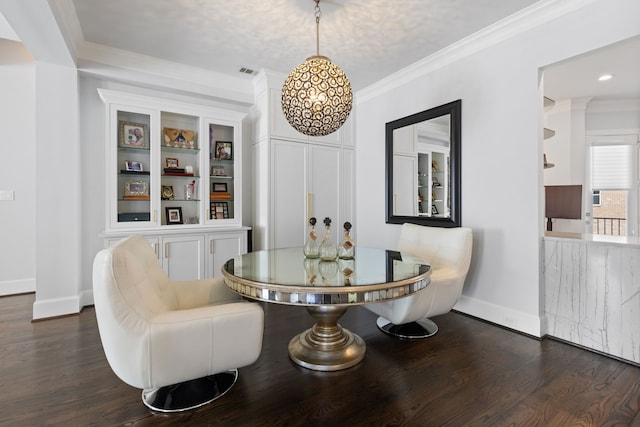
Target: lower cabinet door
<point>222,247</point>
<point>183,256</point>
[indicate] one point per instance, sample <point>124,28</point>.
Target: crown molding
<point>108,62</point>
<point>524,20</point>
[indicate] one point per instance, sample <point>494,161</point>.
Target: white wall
<point>501,151</point>
<point>17,174</point>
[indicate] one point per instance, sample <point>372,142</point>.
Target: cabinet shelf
<point>180,176</point>
<point>180,200</point>
<point>134,149</point>
<point>183,150</point>
<point>549,133</point>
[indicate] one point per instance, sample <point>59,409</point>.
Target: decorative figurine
<point>328,249</point>
<point>348,249</point>
<point>312,247</point>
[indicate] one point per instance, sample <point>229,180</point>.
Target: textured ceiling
<point>369,39</point>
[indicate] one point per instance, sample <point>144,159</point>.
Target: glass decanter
<point>312,247</point>
<point>328,249</point>
<point>347,250</point>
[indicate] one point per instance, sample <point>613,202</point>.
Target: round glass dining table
<point>327,289</point>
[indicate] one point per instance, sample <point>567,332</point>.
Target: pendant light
<point>316,95</point>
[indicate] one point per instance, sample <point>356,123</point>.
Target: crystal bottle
<point>347,249</point>
<point>328,249</point>
<point>312,247</point>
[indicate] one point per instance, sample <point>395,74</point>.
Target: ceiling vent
<point>247,70</point>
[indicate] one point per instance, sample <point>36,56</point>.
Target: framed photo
<point>133,166</point>
<point>136,188</point>
<point>174,215</point>
<point>219,210</point>
<point>218,171</point>
<point>167,192</point>
<point>434,210</point>
<point>223,150</point>
<point>179,138</point>
<point>133,135</point>
<point>171,162</point>
<point>219,187</point>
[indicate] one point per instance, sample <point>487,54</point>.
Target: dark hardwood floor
<point>471,373</point>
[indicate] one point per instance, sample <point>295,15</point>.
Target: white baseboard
<point>500,315</point>
<point>86,298</point>
<point>13,287</point>
<point>55,307</point>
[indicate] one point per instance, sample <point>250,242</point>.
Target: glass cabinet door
<point>223,152</point>
<point>134,164</point>
<point>180,166</point>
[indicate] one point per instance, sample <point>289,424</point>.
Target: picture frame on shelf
<point>136,189</point>
<point>133,166</point>
<point>219,210</point>
<point>172,163</point>
<point>167,192</point>
<point>179,138</point>
<point>174,215</point>
<point>219,187</point>
<point>223,150</point>
<point>218,171</point>
<point>434,210</point>
<point>132,135</point>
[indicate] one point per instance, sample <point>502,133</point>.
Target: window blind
<point>611,167</point>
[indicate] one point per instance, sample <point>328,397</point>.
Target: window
<point>596,198</point>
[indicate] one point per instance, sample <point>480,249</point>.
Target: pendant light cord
<point>318,14</point>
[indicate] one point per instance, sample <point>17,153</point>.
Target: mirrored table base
<point>327,346</point>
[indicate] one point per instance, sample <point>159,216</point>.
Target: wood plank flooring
<point>471,373</point>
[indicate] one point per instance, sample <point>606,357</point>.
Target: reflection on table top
<point>285,276</point>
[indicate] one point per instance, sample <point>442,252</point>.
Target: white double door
<point>308,180</point>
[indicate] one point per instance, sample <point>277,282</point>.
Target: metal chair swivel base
<point>189,394</point>
<point>422,328</point>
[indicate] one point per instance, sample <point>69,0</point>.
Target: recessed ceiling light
<point>605,77</point>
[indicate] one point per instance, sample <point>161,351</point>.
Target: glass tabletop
<point>285,276</point>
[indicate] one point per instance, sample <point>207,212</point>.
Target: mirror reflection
<point>423,167</point>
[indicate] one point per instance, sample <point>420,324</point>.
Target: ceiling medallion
<point>316,95</point>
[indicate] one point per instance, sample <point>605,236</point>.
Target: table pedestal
<point>327,346</point>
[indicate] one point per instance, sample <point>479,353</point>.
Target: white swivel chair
<point>448,252</point>
<point>180,342</point>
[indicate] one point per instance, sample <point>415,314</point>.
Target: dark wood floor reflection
<point>471,373</point>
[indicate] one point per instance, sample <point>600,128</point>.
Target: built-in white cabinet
<point>194,256</point>
<point>296,176</point>
<point>174,175</point>
<point>301,181</point>
<point>171,164</point>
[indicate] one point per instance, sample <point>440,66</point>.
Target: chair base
<point>422,328</point>
<point>189,394</point>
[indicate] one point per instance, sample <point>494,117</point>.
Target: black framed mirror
<point>423,167</point>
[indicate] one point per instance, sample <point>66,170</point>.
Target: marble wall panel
<point>592,295</point>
